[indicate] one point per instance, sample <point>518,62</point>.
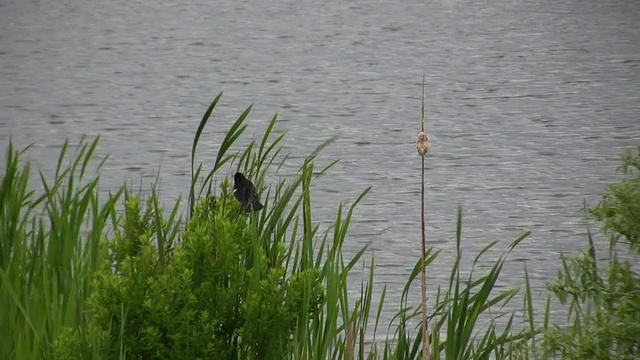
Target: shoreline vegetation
<point>83,277</point>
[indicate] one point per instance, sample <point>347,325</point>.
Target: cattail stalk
<point>423,148</point>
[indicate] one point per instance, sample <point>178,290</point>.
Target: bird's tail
<point>256,205</point>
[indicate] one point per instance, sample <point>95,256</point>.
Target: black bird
<point>246,193</point>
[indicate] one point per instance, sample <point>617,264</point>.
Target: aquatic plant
<point>125,279</point>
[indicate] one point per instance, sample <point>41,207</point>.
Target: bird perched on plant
<point>246,193</point>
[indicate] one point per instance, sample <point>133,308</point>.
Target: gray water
<point>529,105</point>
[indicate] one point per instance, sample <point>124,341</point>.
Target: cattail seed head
<point>423,143</point>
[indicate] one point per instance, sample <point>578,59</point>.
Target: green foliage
<point>619,209</point>
<point>604,296</point>
<point>258,287</point>
<point>49,248</point>
<point>213,299</point>
<point>91,281</point>
<point>457,317</point>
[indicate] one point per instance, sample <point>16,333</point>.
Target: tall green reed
<point>50,246</point>
<point>287,223</point>
<point>463,325</point>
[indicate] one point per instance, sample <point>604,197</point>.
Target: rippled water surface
<point>529,105</point>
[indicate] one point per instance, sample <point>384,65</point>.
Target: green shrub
<point>604,296</point>
<point>217,296</point>
<point>619,209</point>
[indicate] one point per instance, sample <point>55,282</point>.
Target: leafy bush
<point>216,296</point>
<point>619,209</point>
<point>604,296</point>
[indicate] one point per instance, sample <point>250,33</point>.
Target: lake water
<point>529,105</point>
